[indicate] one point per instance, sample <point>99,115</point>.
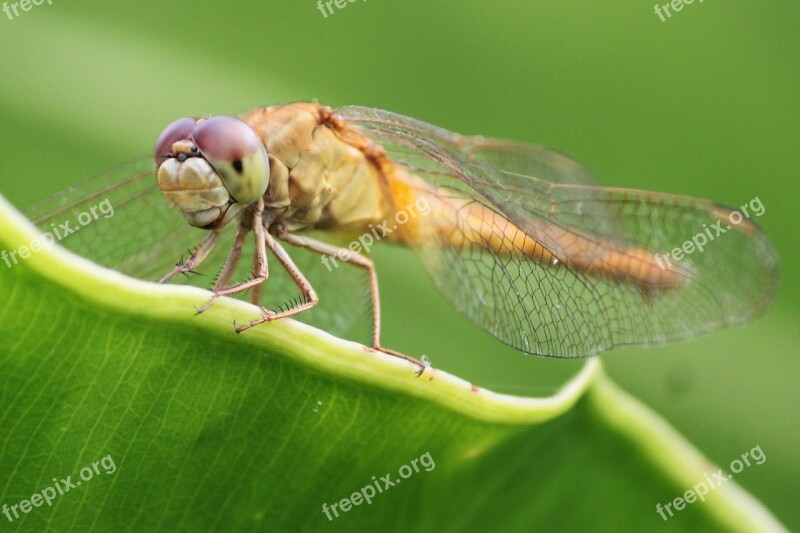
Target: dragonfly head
<point>211,169</point>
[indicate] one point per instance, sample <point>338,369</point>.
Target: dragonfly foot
<point>205,308</point>
<point>268,316</point>
<point>421,365</point>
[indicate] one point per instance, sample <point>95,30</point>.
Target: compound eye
<point>180,130</point>
<point>237,154</point>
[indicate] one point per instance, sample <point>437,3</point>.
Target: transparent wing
<point>590,283</point>
<point>516,159</point>
<point>119,219</point>
<point>129,227</point>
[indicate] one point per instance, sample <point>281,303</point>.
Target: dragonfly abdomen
<point>461,224</point>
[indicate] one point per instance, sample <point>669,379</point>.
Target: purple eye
<point>226,139</point>
<point>179,130</point>
<point>237,154</point>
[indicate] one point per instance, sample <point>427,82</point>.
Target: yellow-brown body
<point>322,174</point>
<point>326,174</point>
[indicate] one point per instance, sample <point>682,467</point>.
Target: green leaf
<point>207,430</point>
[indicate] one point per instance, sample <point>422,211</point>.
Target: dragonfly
<point>518,237</point>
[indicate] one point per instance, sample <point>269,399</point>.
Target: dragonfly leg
<point>260,259</point>
<point>310,298</point>
<point>198,256</point>
<point>360,261</point>
<point>255,292</point>
<point>230,264</point>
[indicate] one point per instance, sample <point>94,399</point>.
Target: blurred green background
<point>704,104</point>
